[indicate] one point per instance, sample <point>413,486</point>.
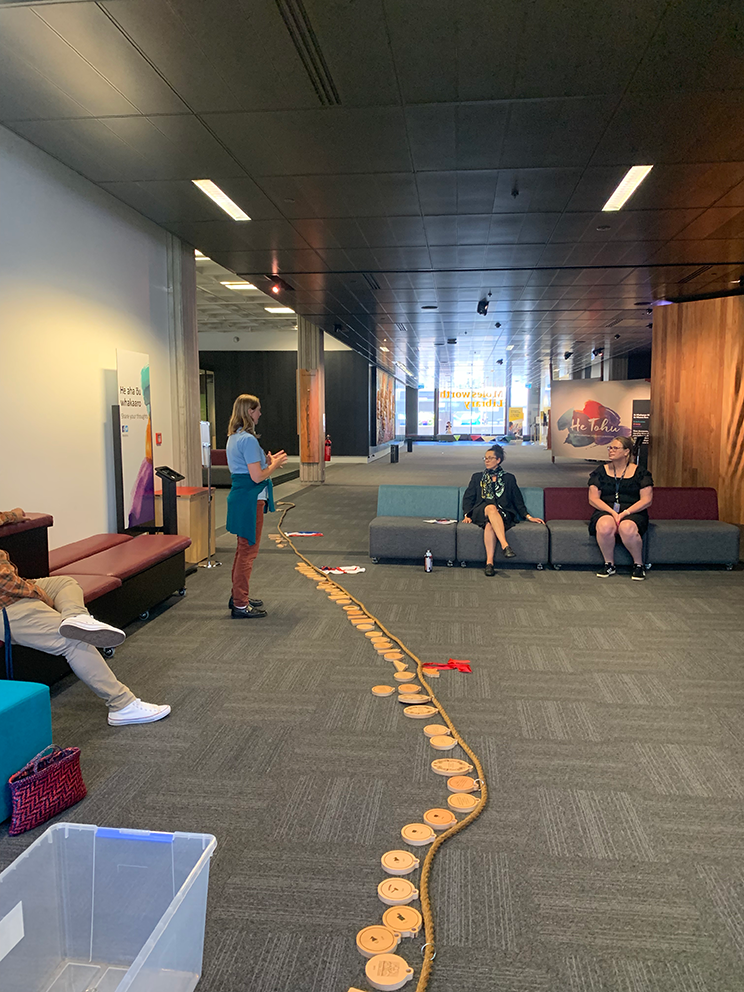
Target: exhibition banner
<point>586,414</point>
<point>385,407</point>
<point>133,375</point>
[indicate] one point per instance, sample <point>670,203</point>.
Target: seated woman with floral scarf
<point>493,502</point>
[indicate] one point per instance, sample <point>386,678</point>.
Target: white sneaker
<point>138,712</point>
<point>84,627</point>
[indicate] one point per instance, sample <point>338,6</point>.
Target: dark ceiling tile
<point>669,128</point>
<point>100,45</point>
<point>694,51</point>
<point>480,135</point>
<point>34,41</point>
<point>331,141</point>
<point>220,56</point>
<point>437,192</point>
<point>422,44</point>
<point>554,133</point>
<point>718,222</point>
<point>25,93</point>
<point>432,132</point>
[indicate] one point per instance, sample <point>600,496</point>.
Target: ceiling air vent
<point>303,37</point>
<point>370,280</point>
<point>694,275</point>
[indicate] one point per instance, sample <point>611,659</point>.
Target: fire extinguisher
<point>328,447</point>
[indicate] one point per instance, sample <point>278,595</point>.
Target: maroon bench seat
<point>95,586</point>
<point>69,553</point>
<point>683,528</point>
<point>130,557</point>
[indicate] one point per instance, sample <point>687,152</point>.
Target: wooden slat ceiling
<point>378,145</point>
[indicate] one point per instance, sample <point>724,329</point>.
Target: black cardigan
<point>511,501</point>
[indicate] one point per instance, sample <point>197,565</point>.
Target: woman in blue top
<point>251,490</point>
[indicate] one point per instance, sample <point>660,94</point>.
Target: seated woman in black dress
<point>493,501</point>
<point>621,493</point>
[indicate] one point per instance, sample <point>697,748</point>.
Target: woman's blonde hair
<point>240,418</point>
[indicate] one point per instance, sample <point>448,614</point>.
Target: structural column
<point>184,360</point>
<point>310,401</point>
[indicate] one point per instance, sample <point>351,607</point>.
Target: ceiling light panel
<point>627,186</point>
<point>279,309</point>
<point>238,285</point>
<point>222,200</point>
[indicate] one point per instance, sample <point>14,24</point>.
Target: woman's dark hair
<point>498,451</point>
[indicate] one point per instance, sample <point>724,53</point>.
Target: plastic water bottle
<point>428,561</point>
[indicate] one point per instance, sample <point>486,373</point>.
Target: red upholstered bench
<point>27,545</point>
<point>147,568</point>
<point>683,529</point>
<point>69,553</point>
<point>221,477</point>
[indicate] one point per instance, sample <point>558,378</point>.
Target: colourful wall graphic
<point>586,414</point>
<point>133,374</point>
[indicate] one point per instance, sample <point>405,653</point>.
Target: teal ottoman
<point>25,729</point>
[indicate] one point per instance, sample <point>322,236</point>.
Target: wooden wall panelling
<point>697,399</point>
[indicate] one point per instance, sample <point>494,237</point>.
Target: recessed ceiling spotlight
<point>509,347</point>
<point>222,200</point>
<point>597,352</point>
<point>383,348</point>
<point>627,186</point>
<point>482,307</point>
<point>499,361</point>
<point>567,355</point>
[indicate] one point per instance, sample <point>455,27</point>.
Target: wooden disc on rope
<point>382,690</point>
<point>440,819</point>
<point>388,972</point>
<point>434,729</point>
<point>462,783</point>
<point>365,626</point>
<point>372,633</point>
<point>404,920</point>
<point>430,673</point>
<point>400,666</point>
<point>461,802</point>
<point>450,766</point>
<point>377,940</point>
<point>414,699</point>
<point>399,862</point>
<point>417,834</point>
<point>443,742</point>
<point>407,687</point>
<point>420,712</point>
<point>397,891</point>
<point>404,676</point>
<point>393,656</point>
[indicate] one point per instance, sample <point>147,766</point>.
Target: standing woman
<point>493,501</point>
<point>251,490</point>
<point>621,493</point>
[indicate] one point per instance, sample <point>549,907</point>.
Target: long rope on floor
<point>426,910</point>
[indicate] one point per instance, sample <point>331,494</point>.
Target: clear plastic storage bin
<point>95,909</point>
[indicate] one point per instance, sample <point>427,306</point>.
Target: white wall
<point>260,341</point>
<point>80,276</point>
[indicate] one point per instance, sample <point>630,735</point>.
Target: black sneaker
<point>508,553</point>
<point>638,574</point>
<point>608,569</point>
<point>489,570</point>
<point>247,613</point>
<point>258,603</point>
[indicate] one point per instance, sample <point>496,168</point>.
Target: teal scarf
<point>490,488</point>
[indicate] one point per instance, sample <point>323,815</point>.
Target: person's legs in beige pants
<point>35,625</point>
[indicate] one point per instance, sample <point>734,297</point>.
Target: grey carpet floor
<point>609,717</point>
